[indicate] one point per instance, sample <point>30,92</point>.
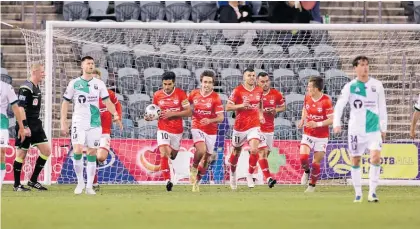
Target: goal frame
<point>51,25</point>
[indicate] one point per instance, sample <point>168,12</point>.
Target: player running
<point>174,105</point>
<point>246,101</point>
<point>85,91</point>
<point>317,115</point>
<point>30,98</point>
<point>367,125</point>
<point>273,103</point>
<point>106,122</point>
<point>208,111</point>
<point>8,96</point>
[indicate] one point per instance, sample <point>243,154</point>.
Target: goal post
<point>289,53</point>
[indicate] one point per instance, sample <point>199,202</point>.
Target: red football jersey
<point>175,101</point>
<point>317,111</point>
<point>247,118</point>
<point>106,116</point>
<point>271,100</point>
<point>205,107</point>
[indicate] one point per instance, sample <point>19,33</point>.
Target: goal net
<point>132,57</point>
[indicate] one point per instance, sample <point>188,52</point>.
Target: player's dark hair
<point>262,74</point>
<point>207,73</point>
<point>248,70</point>
<point>359,58</point>
<point>87,58</point>
<point>169,76</point>
<point>317,82</point>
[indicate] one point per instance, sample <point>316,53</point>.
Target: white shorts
<point>358,144</point>
<point>105,142</point>
<point>317,144</point>
<point>90,137</point>
<point>269,139</point>
<point>209,140</point>
<point>4,138</point>
<point>239,138</point>
<point>166,138</point>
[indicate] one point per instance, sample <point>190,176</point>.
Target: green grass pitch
<point>215,207</point>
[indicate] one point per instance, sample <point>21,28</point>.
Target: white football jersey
<point>7,96</point>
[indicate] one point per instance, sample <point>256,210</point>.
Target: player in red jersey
<point>174,105</point>
<point>273,103</point>
<point>317,115</point>
<point>106,123</point>
<point>207,112</point>
<point>246,101</point>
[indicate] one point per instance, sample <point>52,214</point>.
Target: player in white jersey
<point>8,96</point>
<point>414,119</point>
<point>85,92</point>
<point>367,124</point>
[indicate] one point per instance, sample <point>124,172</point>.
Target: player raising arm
<point>8,96</point>
<point>106,122</point>
<point>207,113</point>
<point>367,124</point>
<point>30,98</point>
<point>246,101</point>
<point>85,92</point>
<point>317,115</point>
<point>174,105</point>
<point>273,103</point>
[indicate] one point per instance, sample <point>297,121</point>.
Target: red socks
<point>304,161</point>
<point>233,160</point>
<point>164,167</point>
<point>264,168</point>
<point>316,169</point>
<point>253,159</point>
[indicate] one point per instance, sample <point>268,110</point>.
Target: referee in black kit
<point>30,105</point>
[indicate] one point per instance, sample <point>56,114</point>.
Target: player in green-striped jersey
<point>367,124</point>
<point>85,92</point>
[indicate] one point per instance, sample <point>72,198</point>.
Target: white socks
<point>90,171</point>
<point>356,176</point>
<point>78,168</point>
<point>374,172</point>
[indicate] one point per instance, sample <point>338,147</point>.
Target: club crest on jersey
<point>35,102</point>
<point>176,101</point>
<point>357,89</point>
<point>208,105</point>
<point>95,86</point>
<point>258,97</point>
<point>161,102</point>
<point>373,89</point>
<point>271,102</point>
<point>319,109</point>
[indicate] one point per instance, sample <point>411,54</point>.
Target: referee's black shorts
<point>37,135</point>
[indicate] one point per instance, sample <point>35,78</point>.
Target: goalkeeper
<point>367,124</point>
<point>106,122</point>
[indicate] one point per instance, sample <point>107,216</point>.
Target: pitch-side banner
<point>133,160</point>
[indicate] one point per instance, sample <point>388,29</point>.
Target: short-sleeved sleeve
<point>184,99</point>
<point>280,99</point>
<point>234,97</point>
<point>11,95</point>
<point>191,97</point>
<point>103,91</point>
<point>328,107</point>
<point>68,94</point>
<point>218,106</point>
<point>24,96</point>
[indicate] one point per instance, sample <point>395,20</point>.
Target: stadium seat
<point>129,81</point>
<point>126,132</point>
<point>247,54</point>
<point>187,36</point>
<point>152,10</point>
<point>231,78</point>
<point>137,109</point>
<point>222,57</point>
<point>297,54</point>
<point>335,80</point>
<point>285,81</point>
<point>96,52</point>
<point>224,98</point>
<point>126,10</point>
<point>180,167</point>
<point>75,10</point>
<point>304,76</point>
<point>169,56</point>
<point>326,58</point>
<point>145,56</point>
<point>274,58</point>
<point>146,131</point>
<point>211,37</point>
<point>125,110</point>
<point>160,36</point>
<point>119,57</point>
<point>203,10</point>
<point>153,80</point>
<point>284,132</point>
<point>98,8</point>
<point>197,57</point>
<point>242,169</point>
<point>177,10</point>
<point>184,79</point>
<point>294,106</point>
<point>3,71</point>
<point>138,97</point>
